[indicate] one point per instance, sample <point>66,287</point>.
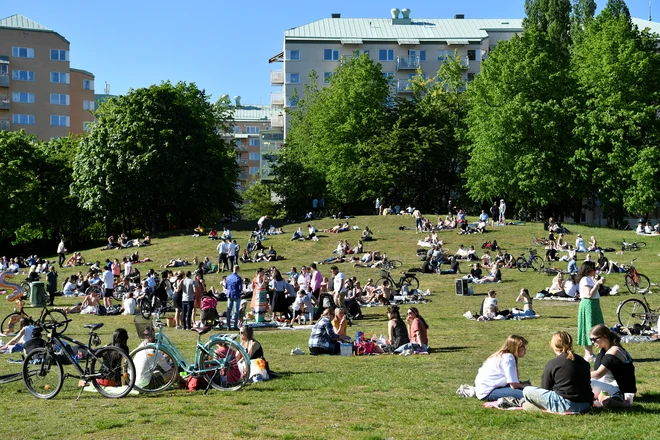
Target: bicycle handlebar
<point>55,324</point>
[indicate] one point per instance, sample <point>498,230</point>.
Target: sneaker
<point>466,390</point>
<point>508,402</point>
<point>297,351</point>
<point>616,401</point>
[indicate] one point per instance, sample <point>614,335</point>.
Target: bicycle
<point>110,369</point>
<point>630,246</point>
<point>406,279</point>
<point>221,360</point>
<point>540,241</point>
<point>533,261</point>
<point>151,304</point>
<point>635,311</point>
<point>9,323</point>
<point>391,264</point>
<point>635,281</point>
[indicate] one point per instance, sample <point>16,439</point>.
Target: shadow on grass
<point>560,317</point>
<point>449,349</point>
<point>647,397</point>
<point>647,360</point>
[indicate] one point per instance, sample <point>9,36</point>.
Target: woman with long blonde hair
<point>566,381</point>
<point>498,376</point>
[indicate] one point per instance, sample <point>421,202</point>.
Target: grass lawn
<point>369,397</point>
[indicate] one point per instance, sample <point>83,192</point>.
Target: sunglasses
<point>595,339</point>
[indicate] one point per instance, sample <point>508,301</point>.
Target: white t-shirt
<point>570,288</point>
<point>129,306</point>
<point>303,281</point>
<point>586,283</point>
<point>232,249</point>
<point>490,307</point>
<point>128,268</point>
<point>108,279</point>
<point>146,362</point>
<point>496,372</point>
<point>261,220</point>
<point>339,284</point>
<point>60,248</point>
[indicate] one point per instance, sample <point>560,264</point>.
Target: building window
<point>254,142</point>
<point>293,78</point>
<point>255,156</point>
<point>367,53</point>
<point>59,121</point>
<point>472,55</point>
<point>23,119</point>
<point>326,77</point>
<point>386,55</point>
<point>292,55</point>
<point>87,125</point>
<point>237,129</point>
<point>443,55</point>
<point>254,170</point>
<point>293,101</point>
<point>59,55</point>
<point>4,69</point>
<point>23,97</point>
<point>470,76</point>
<point>389,76</point>
<point>89,105</point>
<point>252,129</point>
<point>88,84</point>
<point>22,75</point>
<point>59,99</point>
<point>59,77</point>
<point>22,52</point>
<point>330,54</point>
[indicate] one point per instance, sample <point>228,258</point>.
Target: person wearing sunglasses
<point>614,371</point>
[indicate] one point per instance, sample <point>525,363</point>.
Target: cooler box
<point>346,349</point>
<point>462,287</point>
<point>37,294</point>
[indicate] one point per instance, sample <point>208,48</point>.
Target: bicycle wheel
<point>113,372</point>
<point>11,324</point>
<point>644,284</point>
<point>382,280</point>
<point>521,264</point>
<point>25,286</point>
<point>640,244</point>
<point>43,374</point>
<point>156,369</point>
<point>395,264</point>
<point>56,317</point>
<point>411,281</point>
<point>230,362</point>
<point>632,311</point>
<point>119,292</point>
<point>386,265</point>
<point>80,261</point>
<point>537,263</point>
<point>145,308</point>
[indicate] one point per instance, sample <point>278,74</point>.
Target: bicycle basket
<point>384,273</point>
<point>144,328</point>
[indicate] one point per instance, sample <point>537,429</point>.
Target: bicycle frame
<point>57,337</point>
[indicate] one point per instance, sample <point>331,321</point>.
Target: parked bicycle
<point>223,362</point>
<point>540,241</point>
<point>109,369</point>
<point>532,260</point>
<point>630,245</point>
<point>390,264</point>
<point>635,281</point>
<point>637,311</point>
<point>12,321</point>
<point>406,279</point>
<point>150,304</point>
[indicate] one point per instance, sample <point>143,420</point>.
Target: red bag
<point>365,347</point>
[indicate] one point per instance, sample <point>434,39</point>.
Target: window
<point>22,52</point>
<point>59,55</point>
<point>4,69</point>
<point>386,55</point>
<point>292,55</point>
<point>421,54</point>
<point>26,98</point>
<point>89,105</point>
<point>443,55</point>
<point>252,129</point>
<point>255,156</point>
<point>59,99</point>
<point>254,142</point>
<point>293,78</point>
<point>293,101</point>
<point>330,54</point>
<point>23,119</point>
<point>254,170</point>
<point>88,84</point>
<point>470,76</point>
<point>389,76</point>
<point>59,77</point>
<point>367,53</point>
<point>87,125</point>
<point>237,129</point>
<point>59,121</point>
<point>472,55</point>
<point>22,75</point>
<point>326,77</point>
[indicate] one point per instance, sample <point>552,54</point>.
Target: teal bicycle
<point>221,361</point>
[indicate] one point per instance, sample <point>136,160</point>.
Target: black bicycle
<point>12,321</point>
<point>109,369</point>
<point>533,261</point>
<point>406,279</point>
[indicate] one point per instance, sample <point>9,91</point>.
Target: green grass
<point>359,397</point>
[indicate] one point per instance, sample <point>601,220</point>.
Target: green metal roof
<point>19,21</point>
<point>264,113</point>
<point>86,72</point>
<point>643,24</point>
<point>422,29</point>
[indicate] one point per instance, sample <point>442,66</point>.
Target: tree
<point>155,157</point>
<point>257,201</point>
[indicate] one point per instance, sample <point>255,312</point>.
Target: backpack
<point>113,310</point>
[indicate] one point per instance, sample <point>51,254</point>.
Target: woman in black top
<point>565,385</point>
<point>396,330</point>
<point>453,267</point>
<point>614,371</point>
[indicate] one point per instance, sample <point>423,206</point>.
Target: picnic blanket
<point>472,317</point>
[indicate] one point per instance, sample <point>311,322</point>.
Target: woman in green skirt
<point>589,312</point>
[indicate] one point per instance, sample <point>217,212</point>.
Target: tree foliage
<point>257,201</point>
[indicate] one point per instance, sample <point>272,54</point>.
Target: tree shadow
<point>647,360</point>
<point>651,397</point>
<point>452,349</point>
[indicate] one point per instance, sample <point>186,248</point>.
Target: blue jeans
<point>187,314</point>
<point>233,304</point>
<point>506,391</point>
<point>553,402</point>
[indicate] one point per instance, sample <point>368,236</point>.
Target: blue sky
<point>222,46</point>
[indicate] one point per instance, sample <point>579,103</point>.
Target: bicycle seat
<point>159,324</point>
<point>203,330</point>
<point>93,326</point>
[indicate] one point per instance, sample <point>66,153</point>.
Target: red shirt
<point>416,327</point>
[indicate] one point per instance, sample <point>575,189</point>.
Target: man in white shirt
<point>418,220</point>
<point>339,291</point>
<point>231,254</point>
<point>261,221</point>
<point>304,279</point>
<point>109,285</point>
<point>60,253</point>
<point>223,262</point>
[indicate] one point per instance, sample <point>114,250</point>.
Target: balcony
<point>276,78</point>
<point>277,121</point>
<point>242,176</point>
<point>4,80</point>
<point>242,162</point>
<point>407,63</point>
<point>402,86</point>
<point>277,99</point>
<point>4,102</point>
<point>241,148</point>
<point>4,124</point>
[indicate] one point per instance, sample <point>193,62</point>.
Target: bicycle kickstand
<point>82,388</point>
<point>208,385</point>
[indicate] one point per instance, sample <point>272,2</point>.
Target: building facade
<point>39,91</point>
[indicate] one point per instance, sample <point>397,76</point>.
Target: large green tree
<point>155,157</point>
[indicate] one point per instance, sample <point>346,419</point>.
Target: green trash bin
<point>37,294</point>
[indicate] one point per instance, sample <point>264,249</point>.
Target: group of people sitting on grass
<point>124,242</point>
<point>568,384</point>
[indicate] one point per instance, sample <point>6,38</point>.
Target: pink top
<point>316,280</point>
<point>418,326</point>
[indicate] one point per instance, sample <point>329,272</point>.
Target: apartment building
<point>39,91</point>
<point>255,140</point>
